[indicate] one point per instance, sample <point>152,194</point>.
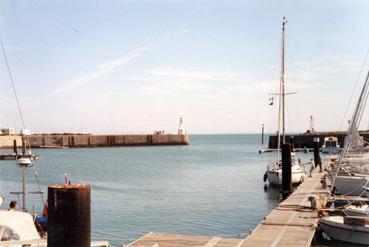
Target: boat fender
<point>265,177</point>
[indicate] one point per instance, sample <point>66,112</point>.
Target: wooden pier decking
<point>291,223</point>
<point>161,239</point>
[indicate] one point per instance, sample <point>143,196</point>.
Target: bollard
<point>312,202</point>
<point>286,171</point>
<point>317,160</point>
<point>69,221</point>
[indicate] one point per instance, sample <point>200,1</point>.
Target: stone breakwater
<point>88,140</point>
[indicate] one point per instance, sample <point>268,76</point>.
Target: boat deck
<point>291,223</point>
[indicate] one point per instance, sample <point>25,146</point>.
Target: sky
<point>137,66</point>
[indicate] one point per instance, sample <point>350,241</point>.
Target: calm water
<point>211,187</point>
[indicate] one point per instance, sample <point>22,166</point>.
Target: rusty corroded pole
<point>69,222</point>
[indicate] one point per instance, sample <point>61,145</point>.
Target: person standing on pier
<point>12,206</point>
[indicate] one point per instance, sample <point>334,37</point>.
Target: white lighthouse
<point>181,131</point>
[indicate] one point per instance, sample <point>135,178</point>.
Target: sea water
<point>214,186</point>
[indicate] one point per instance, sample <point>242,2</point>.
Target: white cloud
<point>101,70</point>
<point>14,48</point>
<point>179,32</point>
<point>195,83</point>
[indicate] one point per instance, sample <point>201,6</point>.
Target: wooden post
<point>286,170</point>
<point>23,147</point>
<point>69,222</point>
<point>317,160</point>
<point>15,146</point>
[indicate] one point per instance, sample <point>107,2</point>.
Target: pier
<point>306,140</point>
<point>291,223</point>
<point>88,140</point>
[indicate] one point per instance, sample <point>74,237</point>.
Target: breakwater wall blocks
<point>8,141</point>
<point>75,141</point>
<point>307,140</point>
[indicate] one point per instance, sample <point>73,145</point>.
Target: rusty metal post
<point>69,221</point>
<point>286,170</point>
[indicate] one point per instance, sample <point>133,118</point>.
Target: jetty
<point>70,140</point>
<point>306,140</point>
<point>291,223</point>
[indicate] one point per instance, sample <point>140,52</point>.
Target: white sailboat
<point>353,183</point>
<point>274,170</point>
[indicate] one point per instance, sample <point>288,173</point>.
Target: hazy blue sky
<point>136,66</point>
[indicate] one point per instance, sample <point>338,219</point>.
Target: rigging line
<point>357,83</point>
<point>19,110</point>
<point>12,82</point>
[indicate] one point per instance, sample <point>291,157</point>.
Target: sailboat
<point>345,178</point>
<point>274,170</point>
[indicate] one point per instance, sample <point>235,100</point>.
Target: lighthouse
<point>181,131</point>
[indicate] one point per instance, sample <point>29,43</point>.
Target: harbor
<point>94,150</point>
<point>292,222</point>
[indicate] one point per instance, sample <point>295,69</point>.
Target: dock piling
<point>69,222</point>
<point>317,159</point>
<point>15,147</point>
<point>286,171</point>
<point>23,147</point>
<point>262,135</point>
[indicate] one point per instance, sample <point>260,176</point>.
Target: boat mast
<point>281,112</point>
<point>284,22</point>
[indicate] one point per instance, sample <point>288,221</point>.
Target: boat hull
<point>351,185</point>
<point>343,232</point>
<point>275,177</point>
<point>357,212</point>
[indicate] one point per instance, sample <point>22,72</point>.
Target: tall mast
<point>284,22</point>
<point>281,112</point>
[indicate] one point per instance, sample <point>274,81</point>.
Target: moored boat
<point>357,211</point>
<point>351,185</point>
<point>330,145</point>
<point>348,229</point>
<point>274,170</point>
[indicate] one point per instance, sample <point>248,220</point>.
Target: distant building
<point>25,132</point>
<point>7,131</point>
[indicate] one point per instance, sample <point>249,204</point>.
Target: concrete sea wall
<point>8,141</point>
<point>78,141</point>
<point>307,140</point>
